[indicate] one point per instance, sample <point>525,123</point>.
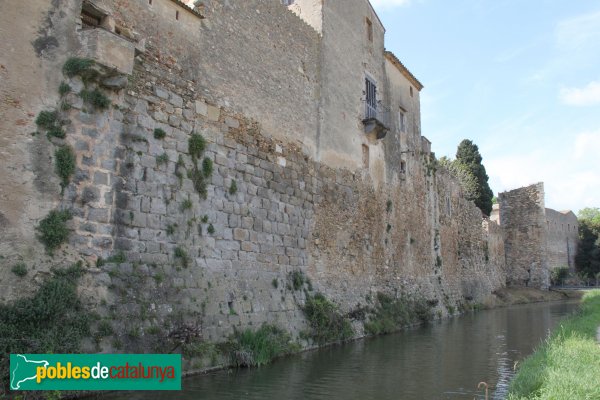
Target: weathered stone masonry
<point>247,79</point>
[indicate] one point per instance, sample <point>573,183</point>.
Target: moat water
<point>443,360</point>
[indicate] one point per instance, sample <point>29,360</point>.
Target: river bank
<point>510,296</point>
<point>566,365</point>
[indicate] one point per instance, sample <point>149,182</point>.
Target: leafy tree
<point>468,154</point>
<point>587,259</point>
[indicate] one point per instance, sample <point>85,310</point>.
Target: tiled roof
<point>392,57</point>
<point>188,8</point>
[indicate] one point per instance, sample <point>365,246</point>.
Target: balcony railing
<point>377,119</point>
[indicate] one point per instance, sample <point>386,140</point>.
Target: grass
<point>567,364</point>
<point>182,255</point>
<point>255,348</point>
<point>326,323</point>
<point>207,167</point>
<point>19,270</point>
<point>162,159</point>
<point>53,231</point>
<point>391,315</point>
<point>47,119</point>
<point>297,279</point>
<point>233,188</point>
<point>64,88</point>
<point>186,205</point>
<point>159,134</point>
<point>77,66</point>
<point>196,146</point>
<point>65,164</point>
<point>52,320</point>
<point>96,98</point>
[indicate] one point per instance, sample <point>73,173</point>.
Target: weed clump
<point>96,98</point>
<point>255,348</point>
<point>391,315</point>
<point>233,188</point>
<point>64,88</point>
<point>326,323</point>
<point>210,229</point>
<point>162,159</point>
<point>159,134</point>
<point>182,255</point>
<point>65,164</point>
<point>19,270</point>
<point>196,146</point>
<point>118,258</point>
<point>76,66</point>
<point>53,231</point>
<point>297,279</point>
<point>47,119</point>
<point>207,167</point>
<point>53,320</point>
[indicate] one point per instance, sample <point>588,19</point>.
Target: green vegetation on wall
<point>53,320</point>
<point>53,231</point>
<point>255,348</point>
<point>327,324</point>
<point>65,164</point>
<point>391,315</point>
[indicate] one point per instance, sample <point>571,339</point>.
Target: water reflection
<point>445,360</point>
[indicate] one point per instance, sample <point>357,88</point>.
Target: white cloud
<point>587,144</point>
<point>579,32</point>
<point>570,174</point>
<point>383,4</point>
<point>585,96</point>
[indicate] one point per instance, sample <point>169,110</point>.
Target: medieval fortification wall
<point>296,186</point>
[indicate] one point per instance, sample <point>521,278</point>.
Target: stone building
<point>320,167</point>
<point>537,239</point>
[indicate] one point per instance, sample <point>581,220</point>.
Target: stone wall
<point>562,238</point>
<point>245,79</point>
<point>522,215</point>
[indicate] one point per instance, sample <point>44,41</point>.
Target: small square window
<point>287,2</point>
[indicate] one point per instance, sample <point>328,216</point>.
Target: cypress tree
<point>468,155</point>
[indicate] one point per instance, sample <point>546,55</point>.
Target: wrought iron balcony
<point>377,119</point>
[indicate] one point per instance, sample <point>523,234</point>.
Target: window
<point>365,155</point>
<point>287,2</point>
<point>177,15</point>
<point>369,30</point>
<point>402,120</point>
<point>411,91</point>
<point>403,167</point>
<point>371,98</point>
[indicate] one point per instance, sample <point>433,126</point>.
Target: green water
<point>444,360</point>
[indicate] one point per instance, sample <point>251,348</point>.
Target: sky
<point>521,78</point>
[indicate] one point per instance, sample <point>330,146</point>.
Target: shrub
<point>162,159</point>
<point>249,349</point>
<point>65,164</point>
<point>196,145</point>
<point>204,219</point>
<point>96,98</point>
<point>233,188</point>
<point>186,204</point>
<point>47,119</point>
<point>391,315</point>
<point>207,167</point>
<point>326,323</point>
<point>181,254</point>
<point>118,258</point>
<point>57,132</point>
<point>297,279</point>
<point>159,134</point>
<point>198,181</point>
<point>53,231</point>
<point>64,88</point>
<point>78,66</point>
<point>210,229</point>
<point>53,320</point>
<point>558,275</point>
<point>19,269</point>
<point>275,283</point>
